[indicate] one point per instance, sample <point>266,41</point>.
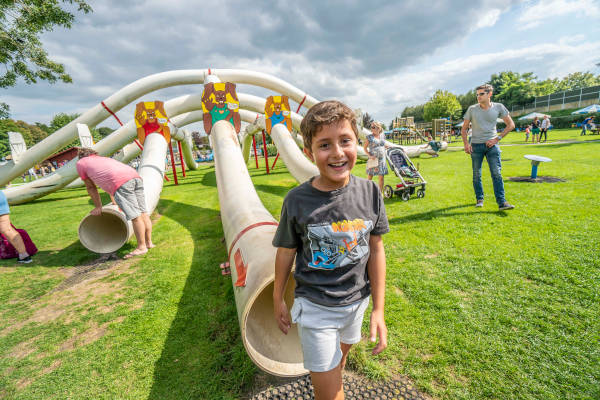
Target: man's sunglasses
<point>482,93</point>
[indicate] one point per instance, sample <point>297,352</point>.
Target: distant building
<point>65,155</point>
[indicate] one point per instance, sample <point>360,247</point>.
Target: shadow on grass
<point>443,213</point>
<point>280,191</point>
<point>203,355</point>
<point>209,179</point>
<point>72,255</point>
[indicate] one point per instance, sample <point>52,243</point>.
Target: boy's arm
<point>283,266</point>
<point>93,192</point>
<point>376,272</point>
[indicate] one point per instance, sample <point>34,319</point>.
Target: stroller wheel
<point>420,193</point>
<point>406,195</point>
<point>388,192</point>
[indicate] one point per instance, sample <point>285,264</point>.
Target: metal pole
<point>173,164</point>
<point>275,162</point>
<point>181,159</point>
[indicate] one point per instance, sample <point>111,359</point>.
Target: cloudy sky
<point>380,57</point>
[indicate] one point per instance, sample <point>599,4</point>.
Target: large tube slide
<point>133,91</point>
<point>109,231</point>
<point>249,230</point>
<point>298,165</point>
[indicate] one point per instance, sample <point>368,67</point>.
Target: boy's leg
<point>345,350</point>
<point>328,385</point>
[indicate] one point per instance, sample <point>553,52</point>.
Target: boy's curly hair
<point>325,113</point>
<point>85,151</point>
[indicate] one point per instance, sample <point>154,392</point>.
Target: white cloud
<point>488,19</point>
<point>534,15</point>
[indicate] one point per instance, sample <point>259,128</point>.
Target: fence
<point>561,100</point>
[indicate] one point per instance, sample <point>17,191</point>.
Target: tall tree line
<point>510,88</point>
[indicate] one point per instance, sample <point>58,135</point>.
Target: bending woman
<point>11,233</point>
<point>375,148</point>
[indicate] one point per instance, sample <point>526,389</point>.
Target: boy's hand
<point>378,328</point>
<point>282,316</point>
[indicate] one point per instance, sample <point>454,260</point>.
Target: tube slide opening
<point>105,233</point>
<point>276,353</point>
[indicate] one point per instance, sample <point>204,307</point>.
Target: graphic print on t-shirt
<point>336,244</point>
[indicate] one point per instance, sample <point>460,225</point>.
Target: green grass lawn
<point>481,304</point>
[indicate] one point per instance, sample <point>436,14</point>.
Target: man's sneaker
<point>479,203</point>
<point>25,260</point>
<point>506,206</point>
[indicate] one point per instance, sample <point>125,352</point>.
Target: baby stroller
<point>410,178</point>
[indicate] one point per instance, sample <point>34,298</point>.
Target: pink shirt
<point>105,172</point>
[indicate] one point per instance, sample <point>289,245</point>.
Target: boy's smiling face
<point>333,150</point>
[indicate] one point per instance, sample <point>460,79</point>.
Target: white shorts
<point>322,328</point>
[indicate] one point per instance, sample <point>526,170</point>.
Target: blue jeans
<point>492,154</point>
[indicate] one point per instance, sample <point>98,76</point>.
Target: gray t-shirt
<point>330,232</point>
<point>483,122</point>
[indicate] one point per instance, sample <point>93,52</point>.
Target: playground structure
<point>247,225</point>
<point>405,132</point>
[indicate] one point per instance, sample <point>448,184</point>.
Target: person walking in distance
<point>484,142</point>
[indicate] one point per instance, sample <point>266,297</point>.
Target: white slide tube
<point>109,231</point>
<point>249,230</point>
<point>112,143</point>
<point>133,91</point>
<point>185,138</point>
<point>105,147</point>
<point>297,164</point>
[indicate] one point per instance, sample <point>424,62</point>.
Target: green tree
<point>21,51</point>
<point>578,80</point>
<point>466,100</point>
<point>512,88</point>
<point>104,131</point>
<point>442,104</point>
<point>546,87</point>
<point>367,120</point>
<point>415,111</point>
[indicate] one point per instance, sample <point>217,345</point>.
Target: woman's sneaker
<point>506,206</point>
<point>25,260</point>
<point>479,203</point>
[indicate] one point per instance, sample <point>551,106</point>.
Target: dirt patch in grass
<point>23,383</point>
<point>94,333</point>
<point>23,349</point>
<point>82,290</point>
<point>52,367</point>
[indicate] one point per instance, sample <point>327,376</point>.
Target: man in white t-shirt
<point>482,117</point>
<point>544,128</point>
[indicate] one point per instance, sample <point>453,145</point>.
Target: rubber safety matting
<point>354,388</point>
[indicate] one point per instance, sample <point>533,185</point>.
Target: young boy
<point>332,225</point>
